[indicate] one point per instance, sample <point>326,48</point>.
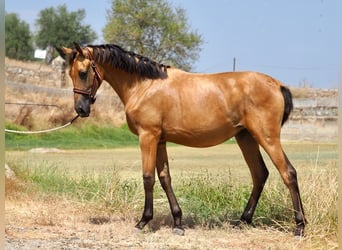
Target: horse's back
<point>207,109</point>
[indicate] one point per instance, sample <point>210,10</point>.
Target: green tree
<point>18,38</point>
<point>57,26</point>
<point>155,29</point>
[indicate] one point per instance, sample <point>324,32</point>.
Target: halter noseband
<point>96,81</point>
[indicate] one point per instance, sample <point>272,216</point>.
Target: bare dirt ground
<point>57,223</point>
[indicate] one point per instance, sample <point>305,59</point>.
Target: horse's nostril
<point>81,111</point>
<point>82,106</point>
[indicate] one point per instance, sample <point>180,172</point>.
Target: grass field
<point>212,184</point>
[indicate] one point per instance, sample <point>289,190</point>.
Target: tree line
<point>153,28</point>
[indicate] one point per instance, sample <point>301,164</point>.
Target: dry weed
<point>13,187</point>
<point>24,117</point>
<point>63,223</point>
<point>108,108</point>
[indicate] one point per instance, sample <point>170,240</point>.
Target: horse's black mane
<point>129,61</point>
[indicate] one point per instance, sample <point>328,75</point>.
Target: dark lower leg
<point>292,184</point>
<point>148,208</point>
<point>248,213</point>
<point>165,181</point>
<point>174,206</point>
<point>289,176</point>
<point>299,214</point>
<point>257,167</point>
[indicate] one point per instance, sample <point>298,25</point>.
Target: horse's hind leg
<point>257,167</point>
<point>272,146</point>
<point>165,181</point>
<point>290,180</point>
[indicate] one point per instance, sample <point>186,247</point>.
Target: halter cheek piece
<point>91,92</point>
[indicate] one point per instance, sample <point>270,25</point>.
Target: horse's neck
<point>123,83</point>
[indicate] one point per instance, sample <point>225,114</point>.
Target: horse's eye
<point>83,75</point>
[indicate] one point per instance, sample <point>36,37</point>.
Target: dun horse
<point>198,110</point>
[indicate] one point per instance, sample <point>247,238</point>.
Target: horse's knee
<point>149,181</point>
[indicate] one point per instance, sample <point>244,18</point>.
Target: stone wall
<point>37,73</point>
<point>313,119</point>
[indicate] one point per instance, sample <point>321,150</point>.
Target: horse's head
<point>85,75</point>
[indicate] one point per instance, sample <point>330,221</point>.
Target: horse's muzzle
<point>82,107</point>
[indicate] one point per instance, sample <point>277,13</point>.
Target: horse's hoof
<point>298,237</point>
<point>299,232</point>
<point>178,231</point>
<point>240,224</point>
<point>237,224</point>
<point>138,230</point>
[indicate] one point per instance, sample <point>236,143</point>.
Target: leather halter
<point>91,92</point>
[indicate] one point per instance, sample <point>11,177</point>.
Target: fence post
<point>234,64</point>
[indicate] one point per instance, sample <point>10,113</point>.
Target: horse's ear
<point>78,48</point>
<point>64,52</point>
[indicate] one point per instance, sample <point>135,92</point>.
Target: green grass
<point>212,202</point>
<point>74,137</point>
<point>108,191</point>
<point>86,136</point>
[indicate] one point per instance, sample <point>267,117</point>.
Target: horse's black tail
<point>288,103</point>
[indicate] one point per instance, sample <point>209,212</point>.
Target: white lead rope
<point>42,131</point>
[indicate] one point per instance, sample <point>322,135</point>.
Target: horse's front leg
<point>148,147</point>
<point>165,181</point>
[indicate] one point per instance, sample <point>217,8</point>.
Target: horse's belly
<point>201,138</point>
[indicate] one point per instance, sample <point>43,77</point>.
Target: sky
<point>297,42</point>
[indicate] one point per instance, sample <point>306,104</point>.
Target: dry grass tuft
<point>13,187</point>
<point>321,202</point>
